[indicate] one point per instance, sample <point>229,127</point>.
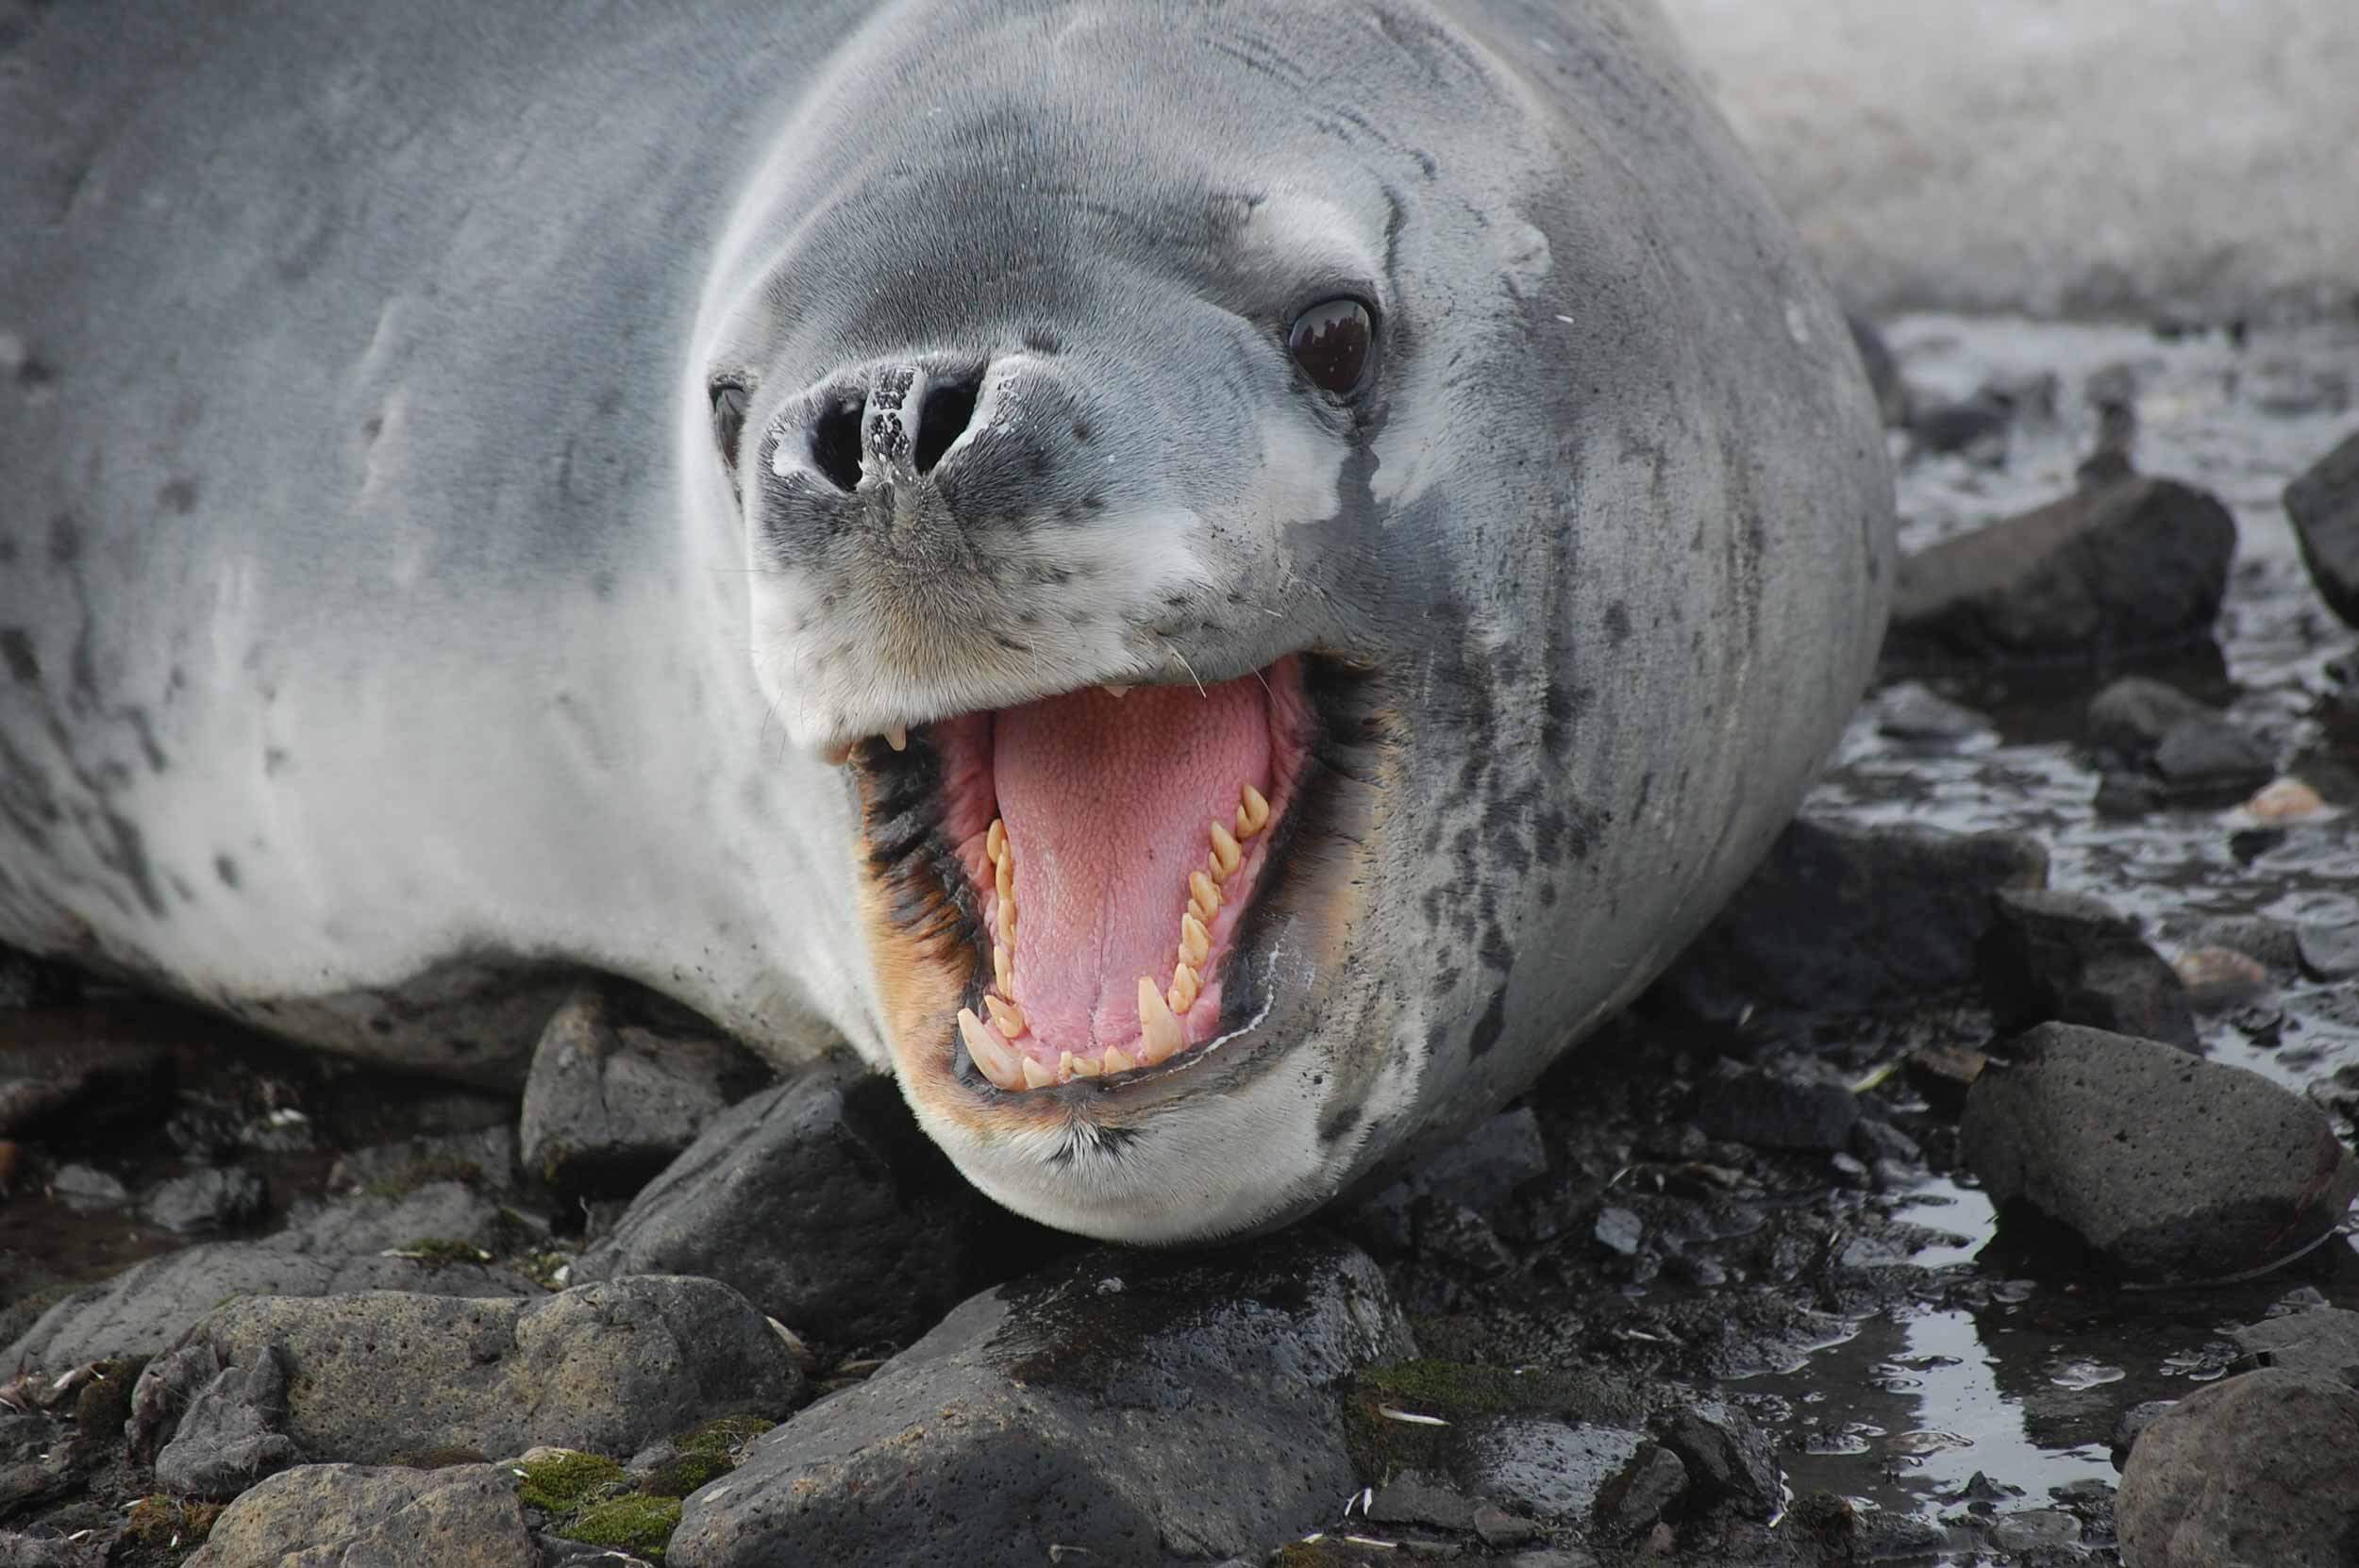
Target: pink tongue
<point>1107,802</point>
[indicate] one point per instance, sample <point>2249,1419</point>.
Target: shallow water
<point>2017,1381</point>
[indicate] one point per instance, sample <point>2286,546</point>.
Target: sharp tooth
<point>897,737</point>
<point>1184,986</point>
<point>1005,1015</point>
<point>1002,970</point>
<point>1195,941</point>
<point>995,841</point>
<point>1037,1076</point>
<point>1225,853</point>
<point>1158,1027</point>
<point>1005,883</point>
<point>1000,1064</point>
<point>1201,910</point>
<point>1084,1067</point>
<point>1115,1061</point>
<point>1252,812</point>
<point>837,754</point>
<point>1117,691</point>
<point>1006,924</point>
<point>1203,889</point>
<point>1065,1068</point>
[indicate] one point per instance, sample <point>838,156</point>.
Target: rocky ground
<point>1994,1141</point>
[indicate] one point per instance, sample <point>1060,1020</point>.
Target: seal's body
<point>1209,586</point>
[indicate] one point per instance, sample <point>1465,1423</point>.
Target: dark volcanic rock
<point>2136,564</point>
<point>2329,952</point>
<point>606,1368</point>
<point>1771,1110</point>
<point>2133,1425</point>
<point>2322,1342</point>
<point>1838,918</point>
<point>1550,1469</point>
<point>2324,507</point>
<point>465,1516</point>
<point>2068,957</point>
<point>2262,1469</point>
<point>819,1199</point>
<point>1726,1456</point>
<point>2164,1166</point>
<point>146,1307</point>
<point>53,1067</point>
<point>2173,747</point>
<point>608,1103</point>
<point>233,1432</point>
<point>206,1200</point>
<point>1138,1407</point>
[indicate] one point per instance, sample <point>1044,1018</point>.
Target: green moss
<point>564,1482</point>
<point>706,1454</point>
<point>161,1522</point>
<point>418,1173</point>
<point>637,1524</point>
<point>1453,1392</point>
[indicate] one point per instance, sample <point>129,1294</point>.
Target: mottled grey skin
<point>377,608</point>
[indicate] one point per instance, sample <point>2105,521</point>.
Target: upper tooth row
<point>1161,1035</point>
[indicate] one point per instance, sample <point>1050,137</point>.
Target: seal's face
<point>1148,481</point>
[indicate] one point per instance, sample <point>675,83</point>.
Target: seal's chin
<point>1081,874</point>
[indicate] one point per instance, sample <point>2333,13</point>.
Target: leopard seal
<point>1209,586</point>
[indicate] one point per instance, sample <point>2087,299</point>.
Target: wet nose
<point>896,421</point>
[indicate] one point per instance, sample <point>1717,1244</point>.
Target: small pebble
<point>2286,800</point>
<point>2219,977</point>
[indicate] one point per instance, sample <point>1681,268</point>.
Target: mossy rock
<point>560,1483</point>
<point>637,1523</point>
<point>1459,1393</point>
<point>705,1455</point>
<point>418,1173</point>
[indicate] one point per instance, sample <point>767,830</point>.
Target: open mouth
<point>1090,868</point>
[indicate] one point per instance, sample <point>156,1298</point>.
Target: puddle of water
<point>2017,1381</point>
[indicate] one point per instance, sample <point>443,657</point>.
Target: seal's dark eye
<point>1331,342</point>
<point>728,420</point>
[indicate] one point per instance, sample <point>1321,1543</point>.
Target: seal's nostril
<point>835,441</point>
<point>947,407</point>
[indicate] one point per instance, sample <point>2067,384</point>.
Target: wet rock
<point>1944,1074</point>
<point>88,1188</point>
<point>2329,952</point>
<point>1497,1528</point>
<point>606,1368</point>
<point>1840,918</point>
<point>2174,748</point>
<point>146,1307</point>
<point>465,1516</point>
<point>2068,957</point>
<point>1912,711</point>
<point>1977,424</point>
<point>1647,1488</point>
<point>2163,1166</point>
<point>2274,943</point>
<point>1552,1469</point>
<point>2219,977</point>
<point>2038,1530</point>
<point>1138,1407</point>
<point>2131,565</point>
<point>608,1104</point>
<point>2323,505</point>
<point>1413,1497</point>
<point>821,1201</point>
<point>483,1158</point>
<point>206,1200</point>
<point>1774,1110</point>
<point>1728,1458</point>
<point>50,1551</point>
<point>2258,1469</point>
<point>232,1433</point>
<point>2322,1342</point>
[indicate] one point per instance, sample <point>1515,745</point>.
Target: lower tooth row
<point>1160,1033</point>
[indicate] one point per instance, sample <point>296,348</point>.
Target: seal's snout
<point>893,422</point>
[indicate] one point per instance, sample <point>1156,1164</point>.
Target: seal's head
<point>1327,540</point>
